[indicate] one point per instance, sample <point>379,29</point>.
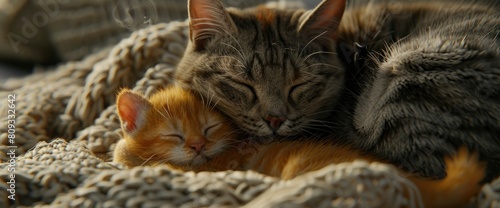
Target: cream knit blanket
<point>75,101</point>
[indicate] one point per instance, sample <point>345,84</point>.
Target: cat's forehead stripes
<point>273,52</point>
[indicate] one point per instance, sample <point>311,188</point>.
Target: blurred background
<point>48,32</point>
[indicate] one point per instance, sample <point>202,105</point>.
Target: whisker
<point>323,64</point>
<point>238,43</point>
<point>202,97</point>
<point>319,112</point>
<point>163,115</point>
<point>321,122</point>
<point>303,48</point>
<point>146,160</point>
<point>234,48</point>
<point>215,104</point>
<point>316,53</point>
<point>231,57</point>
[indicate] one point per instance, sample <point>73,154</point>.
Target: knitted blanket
<point>57,150</point>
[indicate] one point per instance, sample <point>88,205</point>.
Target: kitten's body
<point>146,125</point>
<point>429,82</point>
<point>172,120</point>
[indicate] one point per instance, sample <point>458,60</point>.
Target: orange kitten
<point>177,129</point>
<point>173,127</point>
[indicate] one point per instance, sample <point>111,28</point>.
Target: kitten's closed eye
<point>172,137</point>
<point>210,129</point>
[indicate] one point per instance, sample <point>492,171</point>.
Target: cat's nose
<point>274,121</point>
<point>198,146</point>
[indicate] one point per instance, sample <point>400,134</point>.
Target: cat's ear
<point>132,109</point>
<point>322,22</point>
<point>207,18</point>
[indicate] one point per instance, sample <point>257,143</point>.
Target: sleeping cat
<point>407,81</point>
<point>430,82</point>
<point>273,73</point>
<point>176,128</point>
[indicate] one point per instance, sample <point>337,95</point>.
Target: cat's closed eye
<point>304,92</point>
<point>297,88</point>
<point>237,92</point>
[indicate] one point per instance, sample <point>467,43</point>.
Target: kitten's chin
<point>199,160</point>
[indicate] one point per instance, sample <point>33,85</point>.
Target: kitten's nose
<point>197,146</point>
<point>274,121</point>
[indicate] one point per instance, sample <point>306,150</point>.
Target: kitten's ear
<point>207,18</point>
<point>323,20</point>
<point>132,109</point>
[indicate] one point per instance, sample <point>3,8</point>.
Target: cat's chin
<point>269,135</point>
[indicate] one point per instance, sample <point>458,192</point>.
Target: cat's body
<point>151,128</point>
<point>426,82</point>
<point>431,83</point>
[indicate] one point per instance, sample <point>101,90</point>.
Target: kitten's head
<point>274,72</point>
<point>172,127</point>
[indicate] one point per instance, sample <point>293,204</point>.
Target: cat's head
<point>172,127</point>
<point>273,72</point>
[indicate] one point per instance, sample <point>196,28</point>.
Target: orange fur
<point>265,16</point>
<point>179,111</point>
<point>294,158</point>
<point>464,174</point>
<point>171,111</point>
<point>290,159</point>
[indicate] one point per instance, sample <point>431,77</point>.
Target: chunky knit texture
<point>61,30</point>
<point>75,101</point>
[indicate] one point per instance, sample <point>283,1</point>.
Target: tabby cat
<point>176,128</point>
<point>407,81</point>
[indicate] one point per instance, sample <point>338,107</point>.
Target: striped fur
<point>430,82</point>
<point>263,61</point>
<point>425,81</point>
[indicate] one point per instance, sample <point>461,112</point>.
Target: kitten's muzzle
<point>197,147</point>
<point>196,143</point>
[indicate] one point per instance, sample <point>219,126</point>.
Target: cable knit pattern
<point>75,101</point>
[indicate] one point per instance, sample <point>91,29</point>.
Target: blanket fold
<point>75,101</point>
